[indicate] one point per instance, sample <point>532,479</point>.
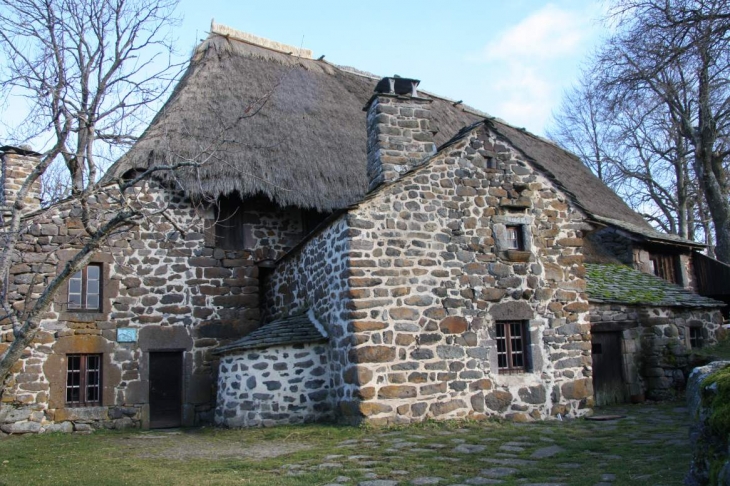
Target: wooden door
<point>608,379</point>
<point>165,389</point>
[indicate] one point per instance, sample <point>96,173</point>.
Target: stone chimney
<point>17,164</point>
<point>399,131</point>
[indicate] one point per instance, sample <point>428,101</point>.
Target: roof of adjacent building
<point>298,329</point>
<point>290,128</point>
<point>620,284</point>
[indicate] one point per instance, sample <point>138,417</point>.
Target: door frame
<point>183,382</point>
<point>620,359</point>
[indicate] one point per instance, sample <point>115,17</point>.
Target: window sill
<point>82,315</point>
<point>520,256</point>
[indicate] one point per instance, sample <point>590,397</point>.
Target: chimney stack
<point>399,131</point>
<point>17,164</point>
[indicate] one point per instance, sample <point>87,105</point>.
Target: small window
<point>83,380</point>
<point>665,266</point>
<point>515,240</point>
<point>695,337</point>
<point>84,289</point>
<point>234,227</point>
<point>511,347</point>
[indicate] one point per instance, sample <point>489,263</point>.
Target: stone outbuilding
<point>358,249</point>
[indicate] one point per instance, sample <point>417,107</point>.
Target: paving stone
<point>544,452</point>
<point>479,480</point>
<point>426,480</point>
<point>511,448</point>
<point>510,461</point>
<point>378,482</point>
<point>498,472</point>
<point>342,479</point>
<point>608,477</point>
<point>329,465</point>
<point>570,465</point>
<point>469,448</point>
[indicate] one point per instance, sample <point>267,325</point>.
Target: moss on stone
<point>716,395</point>
<point>623,284</point>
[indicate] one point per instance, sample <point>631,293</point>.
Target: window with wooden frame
<point>515,238</point>
<point>84,288</point>
<point>83,380</point>
<point>512,347</point>
<point>233,225</point>
<point>665,266</point>
<point>695,337</point>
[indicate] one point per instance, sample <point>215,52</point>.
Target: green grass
<point>267,456</point>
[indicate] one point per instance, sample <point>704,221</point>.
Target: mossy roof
<point>615,283</point>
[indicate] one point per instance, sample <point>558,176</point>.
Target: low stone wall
<point>280,385</point>
<point>24,420</point>
<point>655,344</point>
<point>710,463</point>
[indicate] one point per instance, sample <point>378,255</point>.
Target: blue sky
<point>512,59</point>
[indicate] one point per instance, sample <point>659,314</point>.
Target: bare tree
<point>91,71</point>
<point>673,56</point>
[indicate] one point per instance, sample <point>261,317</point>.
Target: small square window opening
<point>511,347</point>
<point>83,380</point>
<point>515,241</point>
<point>84,288</point>
<point>695,337</point>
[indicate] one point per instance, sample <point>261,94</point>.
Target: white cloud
<point>531,62</point>
<point>548,33</point>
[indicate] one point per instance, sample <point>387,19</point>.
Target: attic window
<point>232,229</point>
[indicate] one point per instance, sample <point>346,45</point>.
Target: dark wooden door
<point>165,389</point>
<point>608,380</point>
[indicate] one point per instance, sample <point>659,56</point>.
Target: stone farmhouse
<point>352,249</point>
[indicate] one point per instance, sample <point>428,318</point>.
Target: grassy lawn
<point>649,446</point>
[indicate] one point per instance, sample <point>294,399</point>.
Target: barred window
<point>84,288</point>
<point>511,347</point>
<point>83,380</point>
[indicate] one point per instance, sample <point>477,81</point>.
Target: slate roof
<point>620,284</point>
<point>648,233</point>
<point>288,330</point>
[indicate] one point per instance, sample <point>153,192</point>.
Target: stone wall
<point>710,455</point>
<point>278,385</point>
<point>314,277</point>
<point>174,290</point>
<point>431,273</point>
<point>655,344</point>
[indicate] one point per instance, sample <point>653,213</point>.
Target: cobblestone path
<point>649,446</point>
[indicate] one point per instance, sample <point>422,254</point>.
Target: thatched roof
<point>293,129</point>
<point>270,123</point>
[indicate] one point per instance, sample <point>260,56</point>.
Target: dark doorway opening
<point>166,389</point>
<point>608,379</point>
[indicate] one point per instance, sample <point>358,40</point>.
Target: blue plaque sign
<point>126,335</point>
